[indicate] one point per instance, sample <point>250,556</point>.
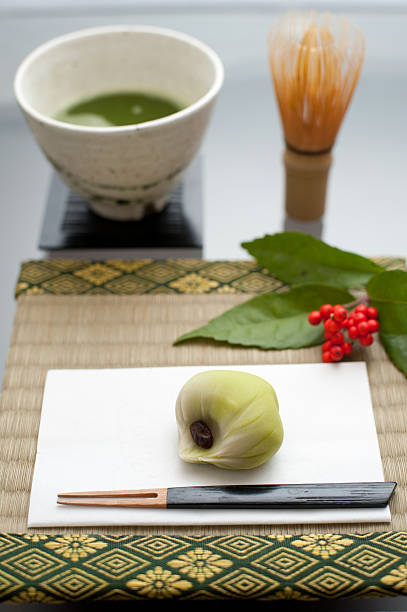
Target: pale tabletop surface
<point>243,178</point>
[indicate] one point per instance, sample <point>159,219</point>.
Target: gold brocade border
<point>183,276</point>
<point>53,569</point>
<point>135,277</point>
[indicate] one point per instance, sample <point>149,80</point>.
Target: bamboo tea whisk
<point>315,62</point>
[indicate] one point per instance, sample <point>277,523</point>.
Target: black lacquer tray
<point>70,225</point>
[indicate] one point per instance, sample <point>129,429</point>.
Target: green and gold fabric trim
<point>184,276</point>
<point>51,569</point>
<point>132,277</point>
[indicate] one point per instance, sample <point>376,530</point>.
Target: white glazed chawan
<point>123,172</point>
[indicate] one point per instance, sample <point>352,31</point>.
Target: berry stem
<point>363,299</point>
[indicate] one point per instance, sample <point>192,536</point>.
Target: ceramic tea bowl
<point>123,172</point>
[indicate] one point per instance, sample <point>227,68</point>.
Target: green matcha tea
<point>124,108</point>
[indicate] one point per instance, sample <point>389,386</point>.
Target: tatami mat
<point>134,331</point>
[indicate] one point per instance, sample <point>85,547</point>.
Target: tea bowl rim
<point>100,30</point>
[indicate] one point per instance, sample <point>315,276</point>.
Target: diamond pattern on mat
<point>240,547</point>
<point>329,582</point>
<point>8,584</point>
<point>129,284</point>
<point>243,583</point>
<point>224,271</point>
<point>159,272</point>
<point>396,540</point>
<point>158,547</point>
<point>35,273</point>
<point>75,584</point>
<point>188,264</point>
<point>33,563</point>
<point>98,273</point>
<point>367,560</point>
<point>66,284</point>
<point>284,563</point>
<point>116,564</point>
<point>8,544</point>
<point>257,283</point>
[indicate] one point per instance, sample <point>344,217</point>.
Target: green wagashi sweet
<point>228,418</point>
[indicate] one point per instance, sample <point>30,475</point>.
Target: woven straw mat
<point>52,332</point>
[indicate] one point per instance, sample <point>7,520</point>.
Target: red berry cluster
<point>360,324</point>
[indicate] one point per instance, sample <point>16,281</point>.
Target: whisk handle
<point>306,184</point>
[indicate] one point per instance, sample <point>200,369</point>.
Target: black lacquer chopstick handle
<point>294,496</point>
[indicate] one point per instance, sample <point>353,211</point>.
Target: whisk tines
<point>315,61</point>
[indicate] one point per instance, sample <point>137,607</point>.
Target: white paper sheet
<point>116,429</point>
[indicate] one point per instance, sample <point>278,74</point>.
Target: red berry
<point>326,346</point>
<point>361,308</point>
<point>337,338</point>
<point>336,353</point>
<point>314,317</point>
<point>358,317</point>
<point>372,313</point>
<point>353,332</point>
<point>328,335</point>
<point>363,328</point>
<point>340,313</point>
<point>366,340</point>
<point>326,310</point>
<point>347,348</point>
<point>332,326</point>
<point>326,356</point>
<point>372,325</point>
<point>350,322</point>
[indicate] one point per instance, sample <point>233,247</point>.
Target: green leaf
<point>388,293</point>
<point>272,320</point>
<point>298,258</point>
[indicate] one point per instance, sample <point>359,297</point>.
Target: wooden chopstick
<point>287,496</point>
<point>140,498</point>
